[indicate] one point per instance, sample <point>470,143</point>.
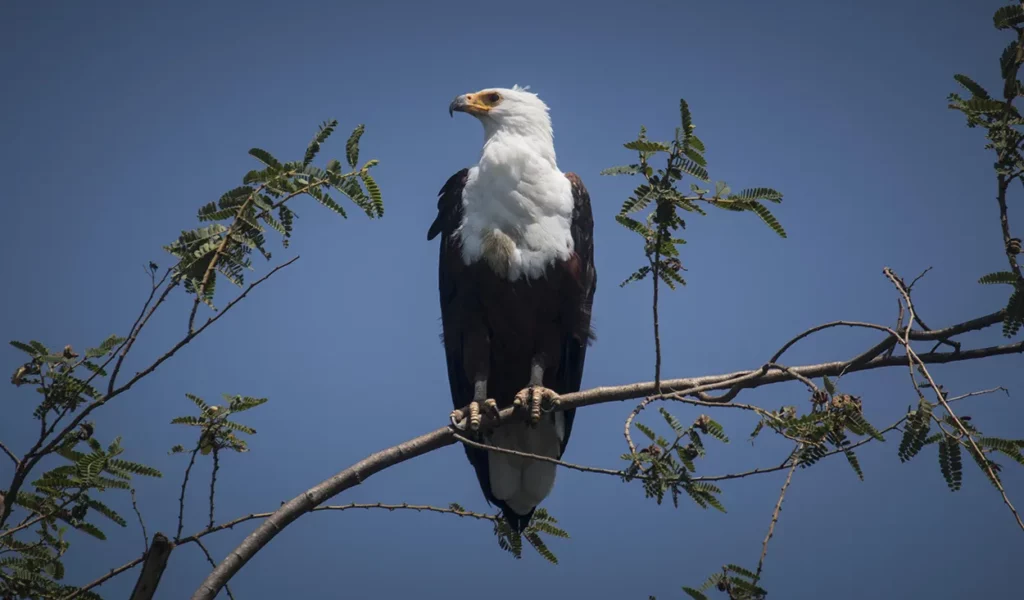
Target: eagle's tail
<point>519,484</point>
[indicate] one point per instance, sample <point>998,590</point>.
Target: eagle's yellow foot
<point>535,399</point>
<point>473,414</point>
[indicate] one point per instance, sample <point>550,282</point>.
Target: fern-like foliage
<point>1002,122</point>
<point>511,540</point>
<point>63,498</point>
<point>684,156</point>
<point>736,582</point>
<point>238,221</point>
<point>216,431</point>
<point>666,468</point>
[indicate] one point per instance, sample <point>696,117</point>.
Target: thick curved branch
<point>359,472</point>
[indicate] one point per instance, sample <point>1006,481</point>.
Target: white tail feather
<point>522,482</point>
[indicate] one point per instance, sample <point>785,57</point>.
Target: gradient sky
<point>117,121</point>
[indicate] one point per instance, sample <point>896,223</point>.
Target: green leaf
<point>647,431</point>
<point>691,168</point>
<point>686,120</point>
<point>325,131</point>
<point>950,463</point>
<point>622,170</point>
<point>759,193</point>
<point>971,86</point>
<point>1008,16</point>
<point>264,157</point>
<point>646,146</point>
<point>740,571</point>
<point>540,547</point>
<point>768,218</point>
<point>829,386</point>
<point>90,529</point>
<point>637,275</point>
<point>1014,318</point>
<point>326,200</point>
<point>851,457</point>
<point>107,512</point>
<point>24,347</point>
<point>375,196</point>
<point>352,146</point>
<point>635,226</point>
<point>695,594</point>
<point>999,277</point>
<point>188,420</point>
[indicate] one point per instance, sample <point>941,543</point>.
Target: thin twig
<point>98,582</point>
<point>17,463</point>
<point>540,458</point>
<point>181,498</point>
<point>213,482</point>
<point>145,536</point>
<point>152,367</point>
<point>194,538</point>
<point>213,564</point>
<point>775,517</point>
<point>137,327</point>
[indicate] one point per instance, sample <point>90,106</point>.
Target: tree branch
<point>775,517</point>
<point>145,536</point>
<point>17,463</point>
<point>181,498</point>
<point>359,472</point>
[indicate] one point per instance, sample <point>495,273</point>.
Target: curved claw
<point>456,417</point>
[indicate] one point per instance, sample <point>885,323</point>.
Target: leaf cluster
<point>239,220</point>
<point>511,540</point>
<point>1002,122</point>
<point>734,581</point>
<point>917,433</point>
<point>824,429</point>
<point>63,497</point>
<point>1013,320</point>
<point>64,378</point>
<point>667,467</point>
<point>684,156</point>
<point>216,431</point>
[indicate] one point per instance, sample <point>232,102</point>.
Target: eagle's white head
<point>514,111</point>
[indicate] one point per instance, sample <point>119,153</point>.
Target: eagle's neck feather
<point>517,205</point>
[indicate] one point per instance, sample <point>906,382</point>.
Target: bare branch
<point>145,536</point>
<point>213,563</point>
<point>213,483</point>
<point>17,463</point>
<point>181,498</point>
<point>775,517</point>
<point>98,582</point>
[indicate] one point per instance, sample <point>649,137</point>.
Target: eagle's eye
<point>493,97</point>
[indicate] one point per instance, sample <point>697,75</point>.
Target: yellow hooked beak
<point>479,103</point>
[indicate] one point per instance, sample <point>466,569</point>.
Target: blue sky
<point>119,120</point>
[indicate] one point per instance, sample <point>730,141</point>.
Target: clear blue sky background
<point>118,121</point>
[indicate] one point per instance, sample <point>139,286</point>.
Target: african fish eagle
<point>516,279</point>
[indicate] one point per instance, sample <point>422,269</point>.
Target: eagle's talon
<point>490,409</point>
<point>456,418</point>
<point>550,400</point>
<point>536,400</point>
<point>474,416</point>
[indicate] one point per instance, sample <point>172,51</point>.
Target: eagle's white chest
<point>517,213</point>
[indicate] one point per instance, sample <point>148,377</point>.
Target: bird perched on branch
<point>516,281</point>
